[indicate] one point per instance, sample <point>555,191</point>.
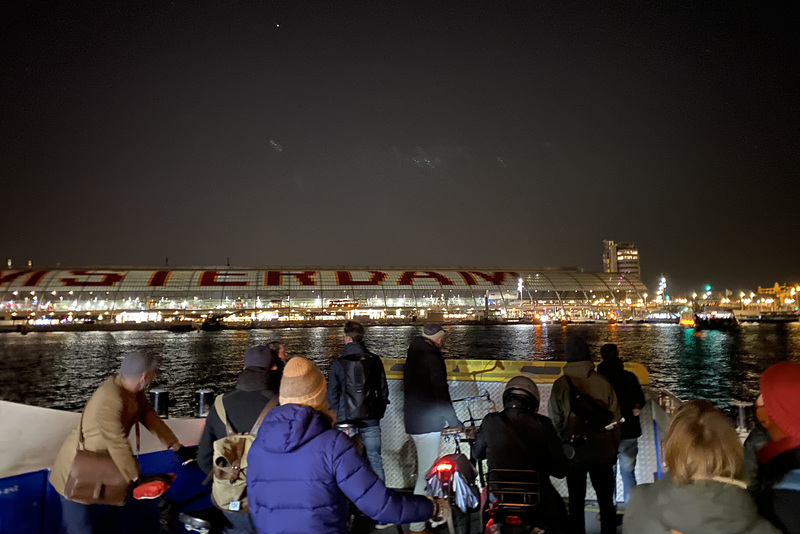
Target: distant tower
<point>621,258</point>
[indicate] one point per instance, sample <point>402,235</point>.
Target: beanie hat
<point>136,364</point>
<point>524,382</point>
<point>780,389</point>
<point>303,383</point>
<point>260,356</point>
<point>576,350</point>
<point>432,331</point>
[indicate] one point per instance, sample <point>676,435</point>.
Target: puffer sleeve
<point>368,492</point>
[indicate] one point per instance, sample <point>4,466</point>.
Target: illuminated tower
<point>621,258</point>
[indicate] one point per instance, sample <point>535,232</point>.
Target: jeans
<point>626,454</point>
<point>371,436</point>
<point>240,523</point>
<point>602,476</point>
<point>76,517</point>
<point>427,453</point>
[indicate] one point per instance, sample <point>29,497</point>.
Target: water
<point>61,369</point>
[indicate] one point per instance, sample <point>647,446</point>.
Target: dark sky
<point>499,134</point>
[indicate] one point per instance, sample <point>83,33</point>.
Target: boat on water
<point>28,504</point>
<point>715,319</point>
<point>662,317</point>
<point>778,317</point>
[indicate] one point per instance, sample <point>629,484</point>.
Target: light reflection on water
<point>61,369</point>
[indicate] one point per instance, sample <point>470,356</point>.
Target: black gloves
<point>186,453</point>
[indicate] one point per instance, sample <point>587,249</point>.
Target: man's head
<point>353,332</point>
<point>261,356</point>
<point>279,349</point>
<point>303,383</point>
<point>609,352</point>
<point>137,370</point>
<point>576,350</point>
<point>433,332</point>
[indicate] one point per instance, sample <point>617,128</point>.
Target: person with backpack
<point>585,412</point>
<point>358,392</point>
<point>631,400</point>
<point>302,471</point>
<point>229,431</point>
<point>519,438</point>
<point>776,488</point>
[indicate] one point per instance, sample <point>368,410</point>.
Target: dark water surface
<point>61,369</point>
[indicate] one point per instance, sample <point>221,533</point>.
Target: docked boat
<point>662,317</point>
<point>778,317</point>
<point>28,504</point>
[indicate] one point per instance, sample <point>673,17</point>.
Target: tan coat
<point>108,418</point>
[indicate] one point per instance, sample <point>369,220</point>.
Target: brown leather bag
<point>95,478</point>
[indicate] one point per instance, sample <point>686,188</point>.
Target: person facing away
<point>595,450</point>
<point>428,408</point>
<point>276,345</point>
<point>519,438</point>
<point>358,392</point>
<point>256,386</point>
<point>776,488</point>
<point>631,401</point>
<point>302,470</point>
<point>704,489</point>
<point>113,409</point>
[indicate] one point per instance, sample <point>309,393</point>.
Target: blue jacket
<point>301,473</point>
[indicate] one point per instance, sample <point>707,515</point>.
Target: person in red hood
<point>777,486</point>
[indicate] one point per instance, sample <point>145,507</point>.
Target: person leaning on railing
<point>704,489</point>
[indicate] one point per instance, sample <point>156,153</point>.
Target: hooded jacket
<point>338,384</point>
<point>301,473</point>
<point>254,389</point>
<point>600,446</point>
<point>428,407</point>
<point>629,394</point>
<point>719,506</point>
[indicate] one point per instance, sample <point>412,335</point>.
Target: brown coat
<point>108,418</point>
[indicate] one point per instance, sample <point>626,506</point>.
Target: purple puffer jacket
<point>300,470</point>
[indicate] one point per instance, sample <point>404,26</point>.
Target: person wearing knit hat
<point>301,471</point>
<point>256,387</point>
<point>777,486</point>
<point>427,408</point>
<point>597,453</point>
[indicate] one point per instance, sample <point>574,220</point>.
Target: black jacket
<point>428,407</point>
<point>338,384</point>
<point>520,439</point>
<point>777,491</point>
<point>629,394</point>
<point>254,389</point>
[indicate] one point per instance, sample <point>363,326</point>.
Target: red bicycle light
<point>444,466</point>
<point>513,520</point>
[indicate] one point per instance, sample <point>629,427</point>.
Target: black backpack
<point>362,387</point>
<point>589,414</point>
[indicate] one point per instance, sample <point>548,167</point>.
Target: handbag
<point>94,477</point>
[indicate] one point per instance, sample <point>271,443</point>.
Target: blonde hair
<point>701,443</point>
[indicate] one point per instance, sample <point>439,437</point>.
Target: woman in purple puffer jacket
<point>301,471</point>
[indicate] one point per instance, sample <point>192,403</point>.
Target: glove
<point>441,512</point>
<point>152,486</point>
<point>186,453</point>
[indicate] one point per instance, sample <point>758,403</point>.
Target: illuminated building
<point>621,258</point>
<point>152,295</point>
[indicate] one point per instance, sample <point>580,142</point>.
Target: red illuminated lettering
<point>108,279</point>
<point>304,278</point>
<point>159,279</point>
<point>496,278</point>
<point>211,278</point>
<point>10,277</point>
<point>407,278</point>
<point>345,278</point>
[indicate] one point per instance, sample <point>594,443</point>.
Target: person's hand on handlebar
<point>441,511</point>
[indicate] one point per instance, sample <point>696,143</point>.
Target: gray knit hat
<point>432,331</point>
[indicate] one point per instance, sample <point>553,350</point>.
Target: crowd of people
<point>282,426</point>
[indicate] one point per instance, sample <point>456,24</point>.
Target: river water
<point>61,369</point>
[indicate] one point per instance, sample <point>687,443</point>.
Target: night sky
<point>403,134</point>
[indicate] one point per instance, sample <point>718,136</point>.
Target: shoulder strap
<point>572,389</point>
<point>273,402</point>
<point>220,406</point>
